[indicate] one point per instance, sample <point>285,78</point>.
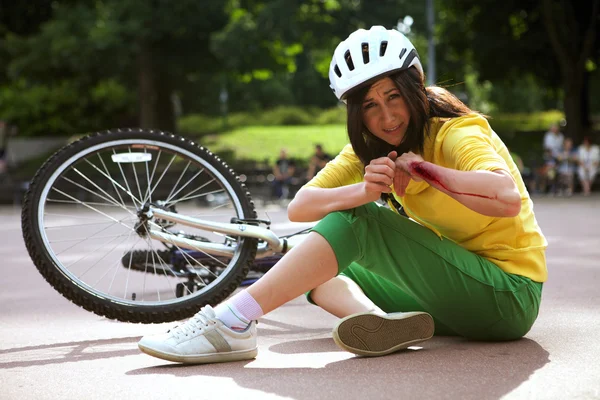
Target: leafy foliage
<point>59,108</point>
<point>101,63</point>
<point>531,43</point>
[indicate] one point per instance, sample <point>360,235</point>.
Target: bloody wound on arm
<point>492,193</point>
<point>428,175</point>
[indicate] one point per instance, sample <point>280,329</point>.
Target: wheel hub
<point>145,215</point>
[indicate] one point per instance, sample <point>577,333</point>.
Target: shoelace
<point>198,322</point>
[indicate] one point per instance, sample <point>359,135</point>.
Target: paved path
<point>51,349</point>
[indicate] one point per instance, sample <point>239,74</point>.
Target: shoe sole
<point>375,335</point>
<point>241,355</point>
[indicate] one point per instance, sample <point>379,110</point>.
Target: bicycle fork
<point>271,243</point>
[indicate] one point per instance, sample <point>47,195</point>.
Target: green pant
<point>403,266</point>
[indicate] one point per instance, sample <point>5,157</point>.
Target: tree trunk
<point>156,107</point>
<point>572,60</point>
<point>585,105</point>
<point>147,91</point>
<point>165,110</point>
<point>573,106</point>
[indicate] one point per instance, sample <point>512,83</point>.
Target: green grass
<point>509,125</point>
<point>260,143</point>
<point>265,142</point>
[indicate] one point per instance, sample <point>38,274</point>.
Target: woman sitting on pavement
<point>472,264</point>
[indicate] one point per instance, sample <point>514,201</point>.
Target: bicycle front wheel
<point>83,227</point>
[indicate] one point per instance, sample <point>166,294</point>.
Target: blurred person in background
<point>473,264</point>
<point>588,156</point>
<point>547,174</point>
<point>317,162</point>
<point>553,139</point>
<point>283,170</point>
<point>567,164</point>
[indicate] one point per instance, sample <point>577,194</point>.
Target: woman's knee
<point>344,232</point>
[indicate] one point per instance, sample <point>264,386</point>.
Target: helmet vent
<point>365,52</point>
<point>382,49</point>
<point>349,61</point>
<point>402,53</point>
<point>337,71</point>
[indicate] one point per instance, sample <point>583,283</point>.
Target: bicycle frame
<point>270,243</point>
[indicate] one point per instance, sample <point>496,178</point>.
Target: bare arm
<point>312,203</point>
<point>492,193</point>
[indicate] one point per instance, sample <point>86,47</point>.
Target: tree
<point>153,44</point>
<point>554,40</point>
<point>265,39</point>
<point>573,32</point>
<point>88,53</point>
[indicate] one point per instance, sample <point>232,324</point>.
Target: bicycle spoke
<point>178,180</point>
<point>187,183</point>
<point>148,181</point>
<point>111,180</point>
<point>91,208</point>
<point>110,200</point>
<point>76,225</point>
<point>83,240</point>
<point>80,240</point>
<point>188,197</point>
<point>163,174</point>
<point>164,269</point>
<point>78,202</point>
<point>73,216</point>
<point>219,206</point>
<point>96,263</point>
<point>193,260</point>
<point>204,267</point>
<point>128,191</point>
<point>116,266</point>
<point>137,182</point>
<point>145,274</point>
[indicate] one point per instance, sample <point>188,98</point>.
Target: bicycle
<point>116,187</point>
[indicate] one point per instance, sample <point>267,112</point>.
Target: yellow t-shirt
<point>467,143</point>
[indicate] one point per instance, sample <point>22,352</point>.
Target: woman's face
<point>385,113</point>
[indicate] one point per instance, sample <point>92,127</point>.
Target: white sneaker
<point>202,339</point>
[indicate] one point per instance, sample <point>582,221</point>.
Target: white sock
<point>237,312</point>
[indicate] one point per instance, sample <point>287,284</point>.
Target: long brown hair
<point>423,103</point>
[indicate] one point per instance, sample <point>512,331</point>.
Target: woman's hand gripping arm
<point>313,203</point>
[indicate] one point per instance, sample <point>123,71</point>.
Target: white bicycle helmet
<point>366,55</point>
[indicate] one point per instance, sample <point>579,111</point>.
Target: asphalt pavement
<point>52,349</point>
